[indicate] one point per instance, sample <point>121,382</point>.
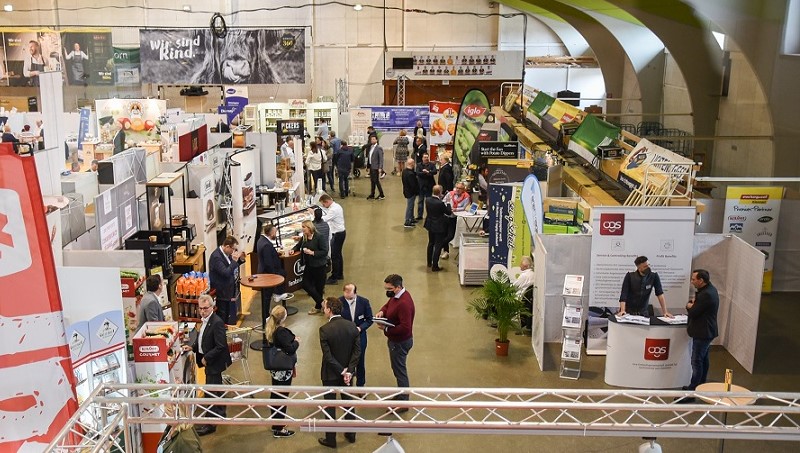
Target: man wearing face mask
<point>358,310</point>
<point>399,311</point>
<point>636,288</point>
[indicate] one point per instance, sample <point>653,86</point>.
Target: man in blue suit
<point>224,278</point>
<point>357,309</point>
<point>269,263</point>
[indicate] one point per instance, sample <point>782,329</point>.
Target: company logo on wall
<point>764,233</point>
<point>299,267</point>
<point>736,227</point>
<point>656,349</point>
<point>763,244</point>
<point>756,199</point>
<point>612,224</point>
<point>737,218</point>
<point>765,219</point>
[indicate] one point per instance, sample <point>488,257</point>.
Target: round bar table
<point>261,282</point>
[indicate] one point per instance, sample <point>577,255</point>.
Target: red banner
<point>38,392</point>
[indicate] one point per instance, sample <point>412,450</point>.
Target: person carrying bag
<point>280,358</point>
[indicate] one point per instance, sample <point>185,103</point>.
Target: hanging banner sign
<point>235,100</point>
<point>38,391</point>
<point>752,214</point>
<point>472,114</point>
<point>242,57</point>
<point>83,127</point>
<point>386,118</point>
<point>289,128</point>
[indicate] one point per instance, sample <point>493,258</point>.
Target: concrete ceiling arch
<point>608,51</point>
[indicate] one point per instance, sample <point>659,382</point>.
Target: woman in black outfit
<point>284,339</point>
<point>314,249</point>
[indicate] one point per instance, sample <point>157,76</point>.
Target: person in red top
<point>399,311</point>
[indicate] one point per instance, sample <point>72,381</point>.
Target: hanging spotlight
<point>187,8</point>
<point>358,7</point>
<point>8,8</point>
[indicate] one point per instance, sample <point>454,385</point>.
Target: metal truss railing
<point>619,413</point>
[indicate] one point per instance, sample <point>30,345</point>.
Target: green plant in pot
<point>498,299</point>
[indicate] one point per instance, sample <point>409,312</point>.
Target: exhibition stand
<point>654,356</point>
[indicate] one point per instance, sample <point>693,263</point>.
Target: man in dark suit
<point>446,175</point>
<point>357,309</point>
<point>339,339</point>
<point>375,159</point>
<point>426,170</point>
<point>269,263</point>
<point>702,326</point>
<point>224,275</point>
<point>211,348</point>
<point>436,224</point>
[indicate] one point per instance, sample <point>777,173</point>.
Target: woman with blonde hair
<point>281,337</point>
<point>314,248</point>
<point>400,152</point>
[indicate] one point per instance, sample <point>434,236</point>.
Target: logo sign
<point>763,244</point>
<point>656,349</point>
<point>288,41</point>
<point>106,331</point>
<point>76,342</point>
<point>612,224</point>
<point>765,219</point>
<point>736,227</point>
<point>760,199</point>
<point>299,268</point>
<point>148,349</point>
<point>498,150</point>
<point>474,111</point>
<point>15,254</point>
<point>290,127</point>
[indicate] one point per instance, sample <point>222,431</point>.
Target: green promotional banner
<point>541,104</point>
<point>126,66</point>
<point>592,132</point>
<point>471,116</point>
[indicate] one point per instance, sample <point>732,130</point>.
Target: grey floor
<point>452,349</point>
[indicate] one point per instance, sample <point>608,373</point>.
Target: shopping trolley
<point>238,344</point>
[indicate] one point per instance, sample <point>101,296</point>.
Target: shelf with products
<point>289,225</point>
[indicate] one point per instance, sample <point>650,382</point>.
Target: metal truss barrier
<point>567,412</point>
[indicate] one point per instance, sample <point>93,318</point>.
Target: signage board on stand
<point>752,213</point>
<point>360,120</point>
<point>442,125</point>
<point>509,234</point>
<point>235,99</point>
<point>663,234</point>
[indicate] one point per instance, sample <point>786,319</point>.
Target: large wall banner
<point>126,66</point>
<point>752,214</point>
<point>396,117</point>
<point>88,57</point>
<point>241,57</point>
<point>29,52</point>
<point>665,235</point>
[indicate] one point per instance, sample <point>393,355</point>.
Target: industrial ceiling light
<point>187,8</point>
<point>358,7</point>
<point>8,8</point>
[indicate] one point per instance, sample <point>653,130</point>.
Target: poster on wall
<point>442,123</point>
<point>752,214</point>
<point>38,391</point>
<point>665,235</point>
<point>29,52</point>
<point>242,57</point>
<point>360,120</point>
<point>126,66</point>
<point>139,119</point>
<point>243,197</point>
<point>88,57</point>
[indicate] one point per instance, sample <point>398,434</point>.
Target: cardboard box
<point>554,218</point>
<point>561,205</point>
<point>554,229</point>
<point>584,213</point>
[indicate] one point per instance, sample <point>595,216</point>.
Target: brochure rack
<point>572,324</point>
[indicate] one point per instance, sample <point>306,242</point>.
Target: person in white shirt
<point>314,160</point>
<point>287,152</point>
<point>333,214</point>
<point>524,281</point>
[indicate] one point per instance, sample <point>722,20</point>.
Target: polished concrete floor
<point>452,349</point>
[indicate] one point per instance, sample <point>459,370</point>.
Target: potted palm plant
<point>498,299</point>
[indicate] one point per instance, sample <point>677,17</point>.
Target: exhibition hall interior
<point>399,225</point>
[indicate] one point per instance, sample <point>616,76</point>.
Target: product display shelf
<point>310,112</point>
<point>289,225</point>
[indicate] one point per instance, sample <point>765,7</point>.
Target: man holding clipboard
<point>396,320</point>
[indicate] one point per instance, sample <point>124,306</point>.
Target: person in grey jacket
<point>375,158</point>
<point>150,305</point>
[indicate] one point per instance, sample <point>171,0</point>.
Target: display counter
<point>656,356</point>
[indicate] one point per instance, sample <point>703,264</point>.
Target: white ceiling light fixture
<point>358,7</point>
<point>187,8</point>
<point>8,8</point>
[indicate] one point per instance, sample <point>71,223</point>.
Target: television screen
<point>402,63</point>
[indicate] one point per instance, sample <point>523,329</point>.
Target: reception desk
<point>649,357</point>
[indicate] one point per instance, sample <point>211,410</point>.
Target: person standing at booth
<point>224,277</point>
<point>150,306</point>
<point>702,326</point>
<point>357,309</point>
<point>636,288</point>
